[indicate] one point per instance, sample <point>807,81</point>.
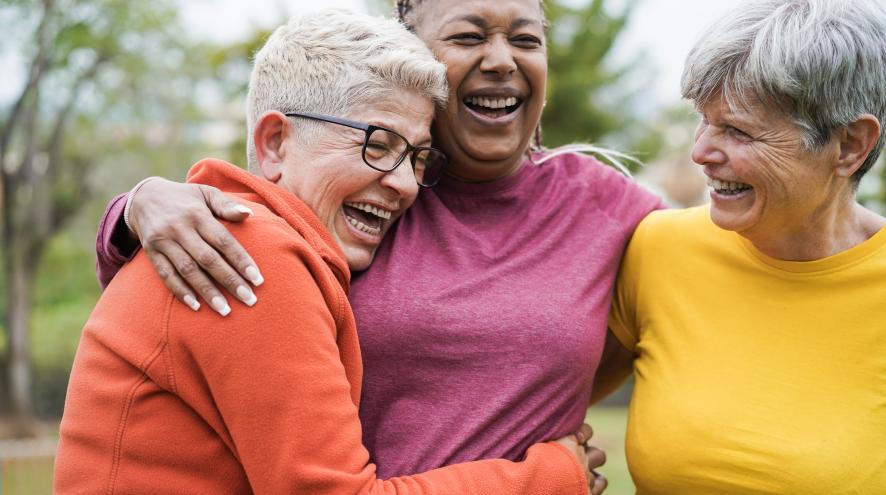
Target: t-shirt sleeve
<point>623,319</point>
<point>634,202</point>
<point>113,248</point>
<point>276,376</point>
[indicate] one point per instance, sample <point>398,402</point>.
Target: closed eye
<point>466,38</point>
<point>737,133</point>
<point>526,41</point>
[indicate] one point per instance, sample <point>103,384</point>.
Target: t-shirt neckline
<point>838,261</point>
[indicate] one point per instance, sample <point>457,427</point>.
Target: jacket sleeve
<point>287,403</point>
<point>112,250</point>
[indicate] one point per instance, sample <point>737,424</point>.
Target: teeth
<point>362,226</point>
<point>379,212</point>
<point>493,103</point>
<point>722,185</point>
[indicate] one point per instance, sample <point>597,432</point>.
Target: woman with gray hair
<point>163,399</point>
<point>756,326</point>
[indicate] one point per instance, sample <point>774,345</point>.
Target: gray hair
<point>335,61</point>
<point>822,62</point>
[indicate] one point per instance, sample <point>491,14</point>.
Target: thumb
<point>223,206</point>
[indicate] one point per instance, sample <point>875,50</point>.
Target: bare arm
<point>616,365</point>
<point>308,439</point>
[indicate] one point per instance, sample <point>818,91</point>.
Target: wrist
<point>129,198</point>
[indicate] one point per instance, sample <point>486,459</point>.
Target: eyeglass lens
<point>385,150</point>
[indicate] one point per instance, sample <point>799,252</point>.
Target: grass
<point>28,476</point>
<point>65,294</point>
<point>33,476</point>
<point>609,434</point>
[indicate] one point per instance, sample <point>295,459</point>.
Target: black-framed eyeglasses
<point>384,150</point>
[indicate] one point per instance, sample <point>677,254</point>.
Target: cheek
<point>537,69</point>
<point>774,169</point>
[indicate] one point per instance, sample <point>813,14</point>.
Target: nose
<point>498,57</point>
<point>706,151</point>
<point>402,182</point>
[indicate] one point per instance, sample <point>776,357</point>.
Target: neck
<point>824,233</point>
<point>466,169</point>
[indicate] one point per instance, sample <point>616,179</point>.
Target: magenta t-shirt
<point>483,317</point>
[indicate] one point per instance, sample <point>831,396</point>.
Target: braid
<point>404,8</point>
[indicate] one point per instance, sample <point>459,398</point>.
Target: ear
<point>857,140</point>
<point>271,132</point>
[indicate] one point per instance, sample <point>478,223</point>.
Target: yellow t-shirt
<point>753,375</point>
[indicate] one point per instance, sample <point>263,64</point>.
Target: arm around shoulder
<point>288,398</point>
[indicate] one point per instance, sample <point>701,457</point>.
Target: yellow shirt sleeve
<point>623,321</point>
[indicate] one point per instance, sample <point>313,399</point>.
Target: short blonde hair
<point>334,61</point>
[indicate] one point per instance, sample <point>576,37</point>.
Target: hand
<point>589,456</point>
<point>187,245</point>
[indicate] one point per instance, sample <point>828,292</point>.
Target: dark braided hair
<point>406,7</point>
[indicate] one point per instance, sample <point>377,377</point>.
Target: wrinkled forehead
<point>414,12</point>
<point>742,104</point>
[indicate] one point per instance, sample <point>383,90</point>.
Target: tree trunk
<point>18,307</point>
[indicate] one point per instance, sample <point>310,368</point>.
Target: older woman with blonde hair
<point>756,326</point>
<point>163,399</point>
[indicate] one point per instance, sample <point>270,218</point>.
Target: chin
<point>733,221</point>
<point>359,258</point>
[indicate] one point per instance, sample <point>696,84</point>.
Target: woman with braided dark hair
<point>483,317</point>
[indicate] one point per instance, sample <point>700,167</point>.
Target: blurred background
<point>97,94</point>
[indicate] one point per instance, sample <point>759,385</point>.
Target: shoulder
<point>677,220</point>
<point>676,231</point>
<point>299,299</point>
<point>285,256</point>
<point>598,186</point>
<point>266,234</point>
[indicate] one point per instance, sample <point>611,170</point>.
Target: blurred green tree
<point>580,37</point>
<point>92,68</point>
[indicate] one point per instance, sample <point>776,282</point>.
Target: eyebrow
<point>388,125</point>
<point>481,22</point>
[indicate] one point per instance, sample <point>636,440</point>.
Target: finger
<point>188,268</point>
<point>223,206</point>
<point>600,483</point>
<point>211,263</point>
<point>220,238</point>
<point>596,457</point>
<point>172,280</point>
<point>584,434</point>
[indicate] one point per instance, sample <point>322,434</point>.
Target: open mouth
<point>493,107</point>
<point>366,217</point>
<point>727,188</point>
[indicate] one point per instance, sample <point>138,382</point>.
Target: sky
<point>663,30</point>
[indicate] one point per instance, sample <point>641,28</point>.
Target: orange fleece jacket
<point>166,400</point>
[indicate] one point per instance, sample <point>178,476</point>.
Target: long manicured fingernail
<point>242,209</point>
<point>220,305</point>
<point>191,302</point>
<point>254,276</point>
<point>246,295</point>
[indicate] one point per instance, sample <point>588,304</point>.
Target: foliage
<point>582,105</point>
<point>104,85</point>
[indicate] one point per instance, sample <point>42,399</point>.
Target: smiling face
<point>764,184</point>
<point>356,203</point>
<point>496,62</point>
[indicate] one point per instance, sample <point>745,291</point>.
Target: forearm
<point>616,365</point>
<point>288,400</point>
